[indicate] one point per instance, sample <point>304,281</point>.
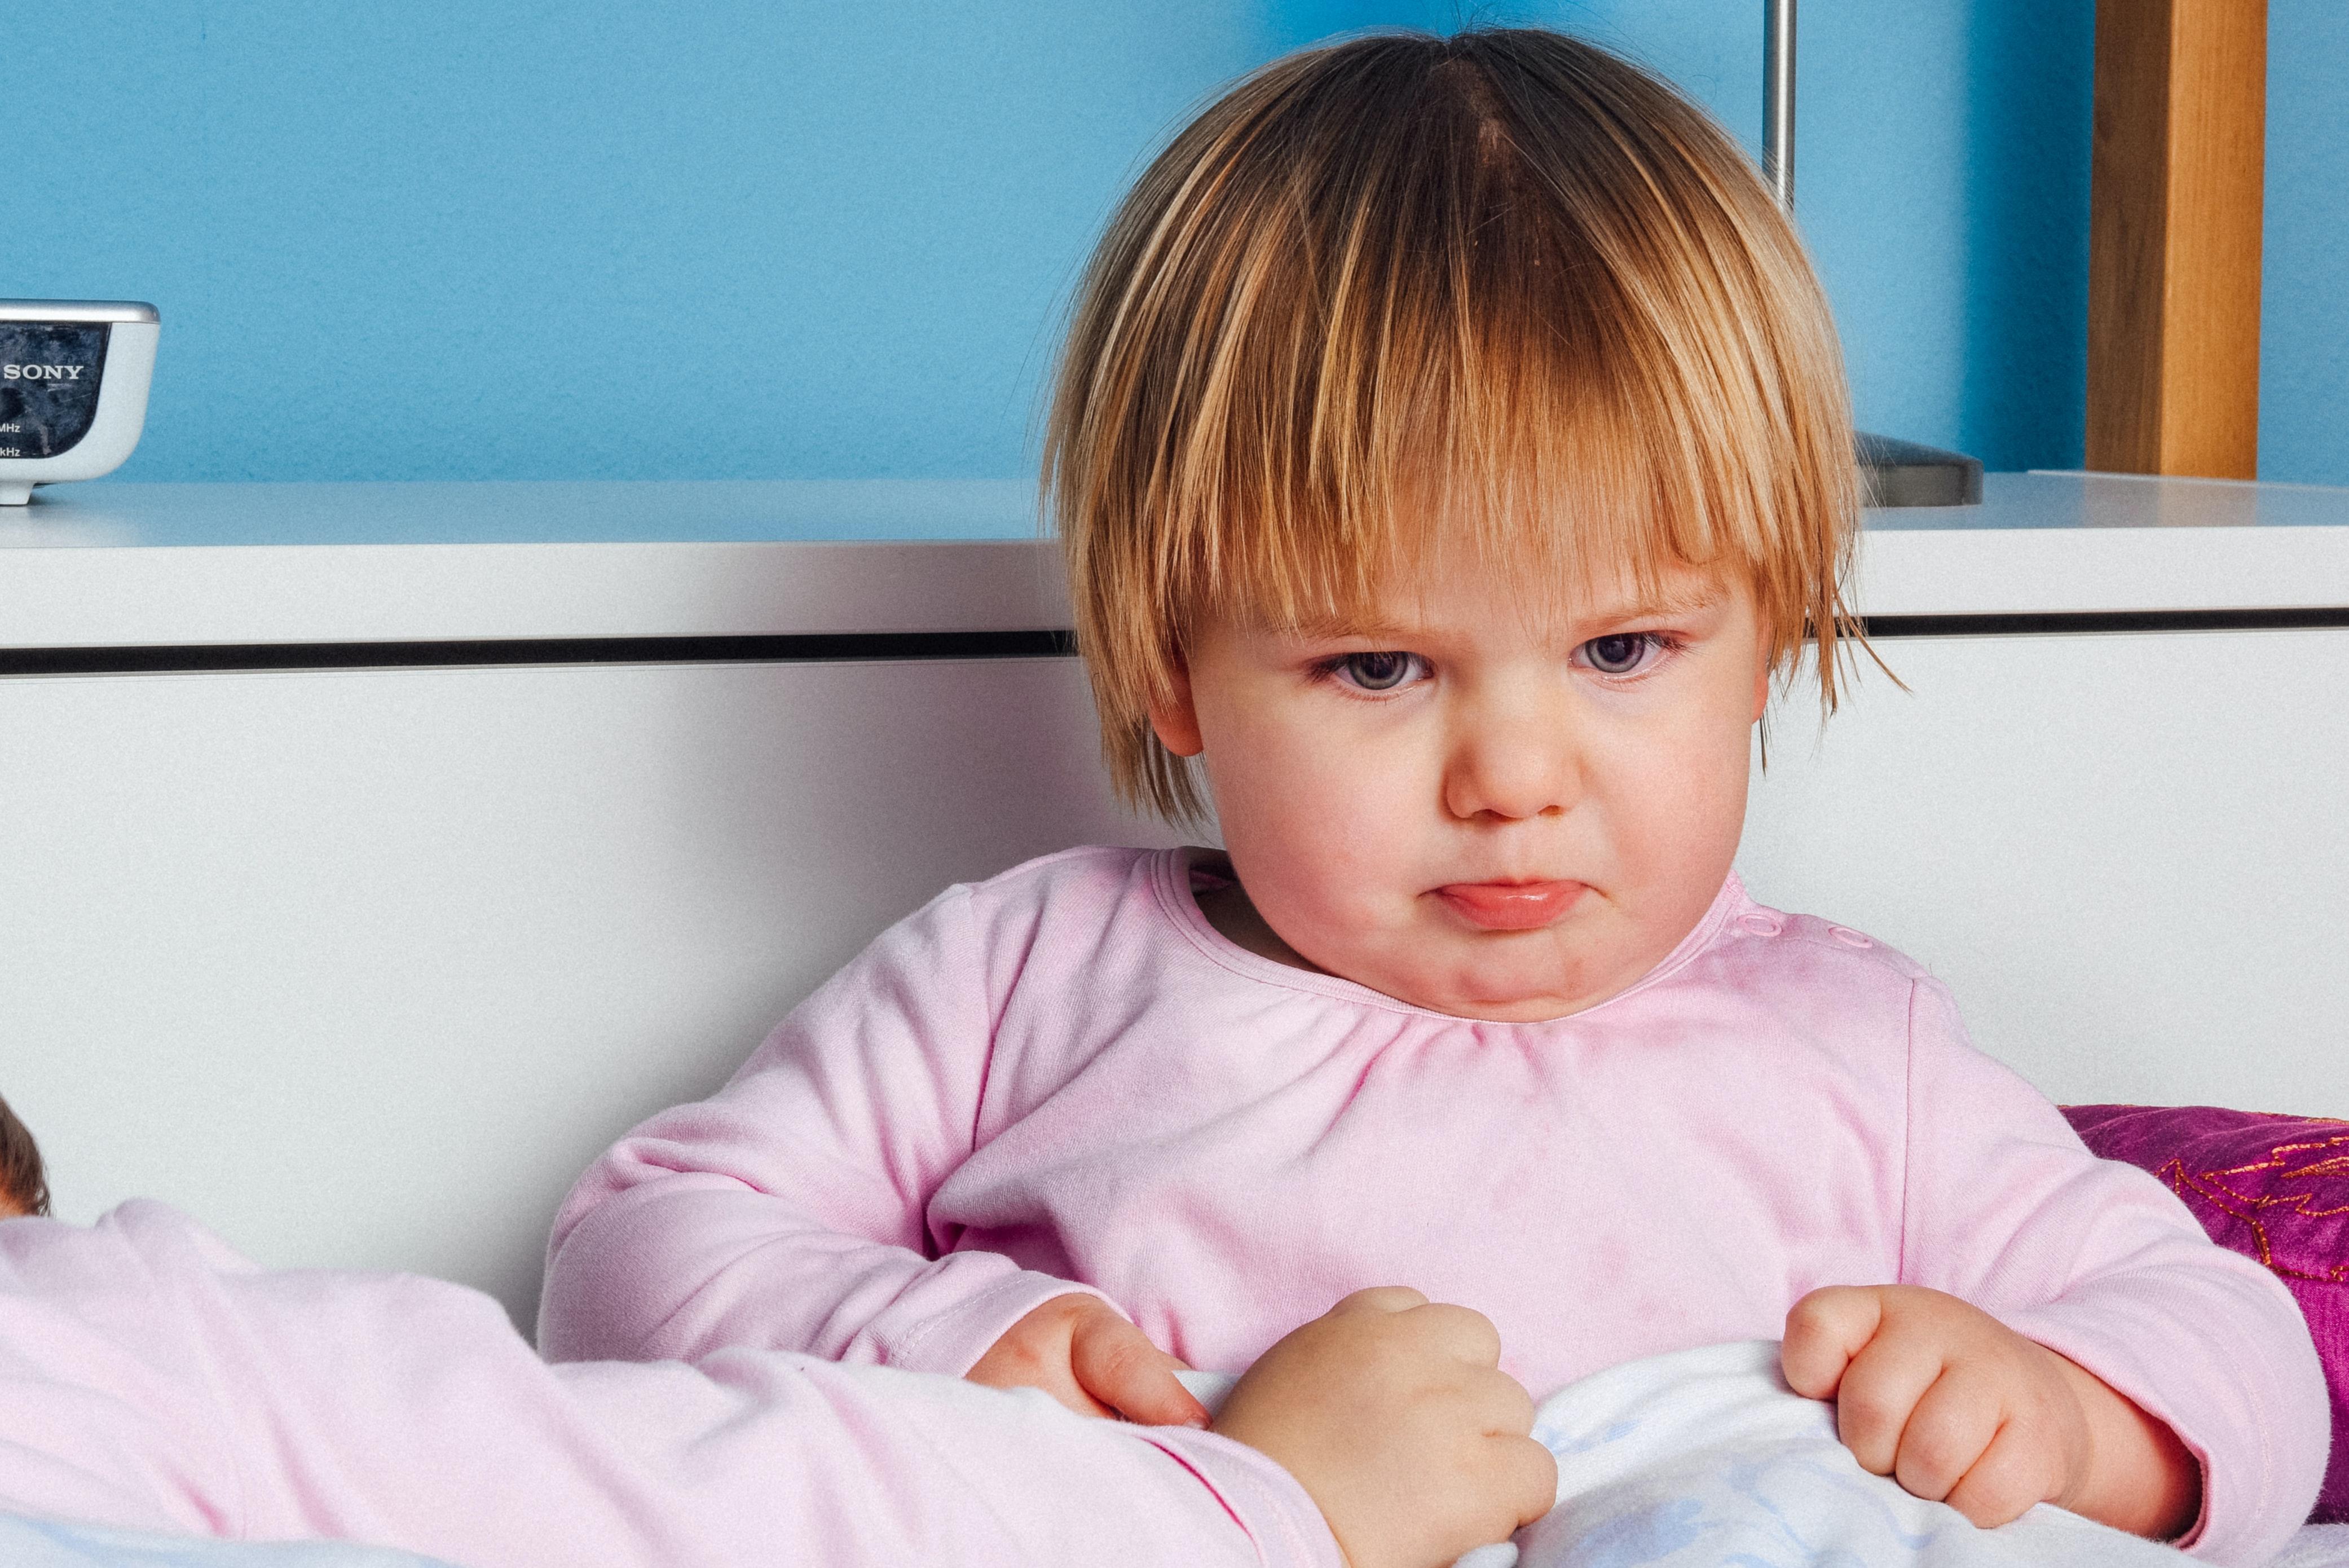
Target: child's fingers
<point>1116,1363</point>
<point>1459,1332</point>
<point>1380,1298</point>
<point>1061,1384</point>
<point>1823,1331</point>
<point>1948,1432</point>
<point>1037,1352</point>
<point>1072,1397</point>
<point>2003,1483</point>
<point>1501,1404</point>
<point>1529,1478</point>
<point>1876,1395</point>
<point>1155,1400</point>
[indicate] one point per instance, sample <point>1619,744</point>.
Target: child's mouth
<point>1511,906</point>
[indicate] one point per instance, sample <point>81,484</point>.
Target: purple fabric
<point>2275,1189</point>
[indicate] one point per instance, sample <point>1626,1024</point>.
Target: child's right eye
<point>1381,671</point>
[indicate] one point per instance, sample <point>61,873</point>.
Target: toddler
<point>1450,451</point>
<point>151,1379</point>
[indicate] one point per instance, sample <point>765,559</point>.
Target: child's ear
<point>1174,718</point>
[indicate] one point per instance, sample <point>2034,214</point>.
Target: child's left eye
<point>1622,652</point>
<point>1379,672</point>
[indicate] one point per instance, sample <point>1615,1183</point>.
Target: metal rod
<point>1778,99</point>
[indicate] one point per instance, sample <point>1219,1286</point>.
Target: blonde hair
<point>1507,265</point>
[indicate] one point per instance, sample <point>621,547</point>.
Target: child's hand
<point>1395,1416</point>
<point>1960,1408</point>
<point>1080,1351</point>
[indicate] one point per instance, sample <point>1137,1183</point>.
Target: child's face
<point>1476,801</point>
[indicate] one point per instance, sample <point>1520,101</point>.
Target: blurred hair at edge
<point>1505,281</point>
<point>23,1188</point>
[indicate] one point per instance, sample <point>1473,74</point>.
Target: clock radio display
<point>48,385</point>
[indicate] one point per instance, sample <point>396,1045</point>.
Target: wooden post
<point>2174,237</point>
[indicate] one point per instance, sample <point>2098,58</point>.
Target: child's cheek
<point>1327,839</point>
<point>1679,811</point>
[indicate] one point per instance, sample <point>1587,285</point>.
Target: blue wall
<point>770,238</point>
<point>2304,284</point>
<point>1941,180</point>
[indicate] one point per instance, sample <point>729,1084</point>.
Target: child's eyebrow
<point>1661,605</point>
<point>1328,628</point>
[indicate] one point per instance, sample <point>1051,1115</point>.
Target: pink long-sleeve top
<point>1065,1078</point>
<point>152,1379</point>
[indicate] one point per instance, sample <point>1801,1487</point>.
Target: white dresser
<point>371,854</point>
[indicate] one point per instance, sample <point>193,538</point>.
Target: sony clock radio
<point>73,388</point>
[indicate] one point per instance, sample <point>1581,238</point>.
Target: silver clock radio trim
<point>76,310</point>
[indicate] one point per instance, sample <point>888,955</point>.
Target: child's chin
<point>1499,994</point>
<point>1509,977</point>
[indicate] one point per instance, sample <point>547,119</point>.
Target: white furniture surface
<point>100,565</point>
<point>364,961</point>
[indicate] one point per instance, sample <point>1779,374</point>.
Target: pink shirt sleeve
<point>151,1380</point>
<point>2101,1264</point>
<point>788,1210</point>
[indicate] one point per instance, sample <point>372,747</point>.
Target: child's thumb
<point>1117,1364</point>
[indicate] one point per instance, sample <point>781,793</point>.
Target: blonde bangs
<point>1502,293</point>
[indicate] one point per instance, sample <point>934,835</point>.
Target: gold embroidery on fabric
<point>2331,1159</point>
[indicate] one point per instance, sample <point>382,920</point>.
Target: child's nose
<point>1512,764</point>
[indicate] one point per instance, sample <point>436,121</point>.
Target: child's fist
<point>1080,1351</point>
<point>1960,1408</point>
<point>1395,1416</point>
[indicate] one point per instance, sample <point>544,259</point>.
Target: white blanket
<point>1705,1459</point>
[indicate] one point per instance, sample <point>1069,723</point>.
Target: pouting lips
<point>1511,906</point>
